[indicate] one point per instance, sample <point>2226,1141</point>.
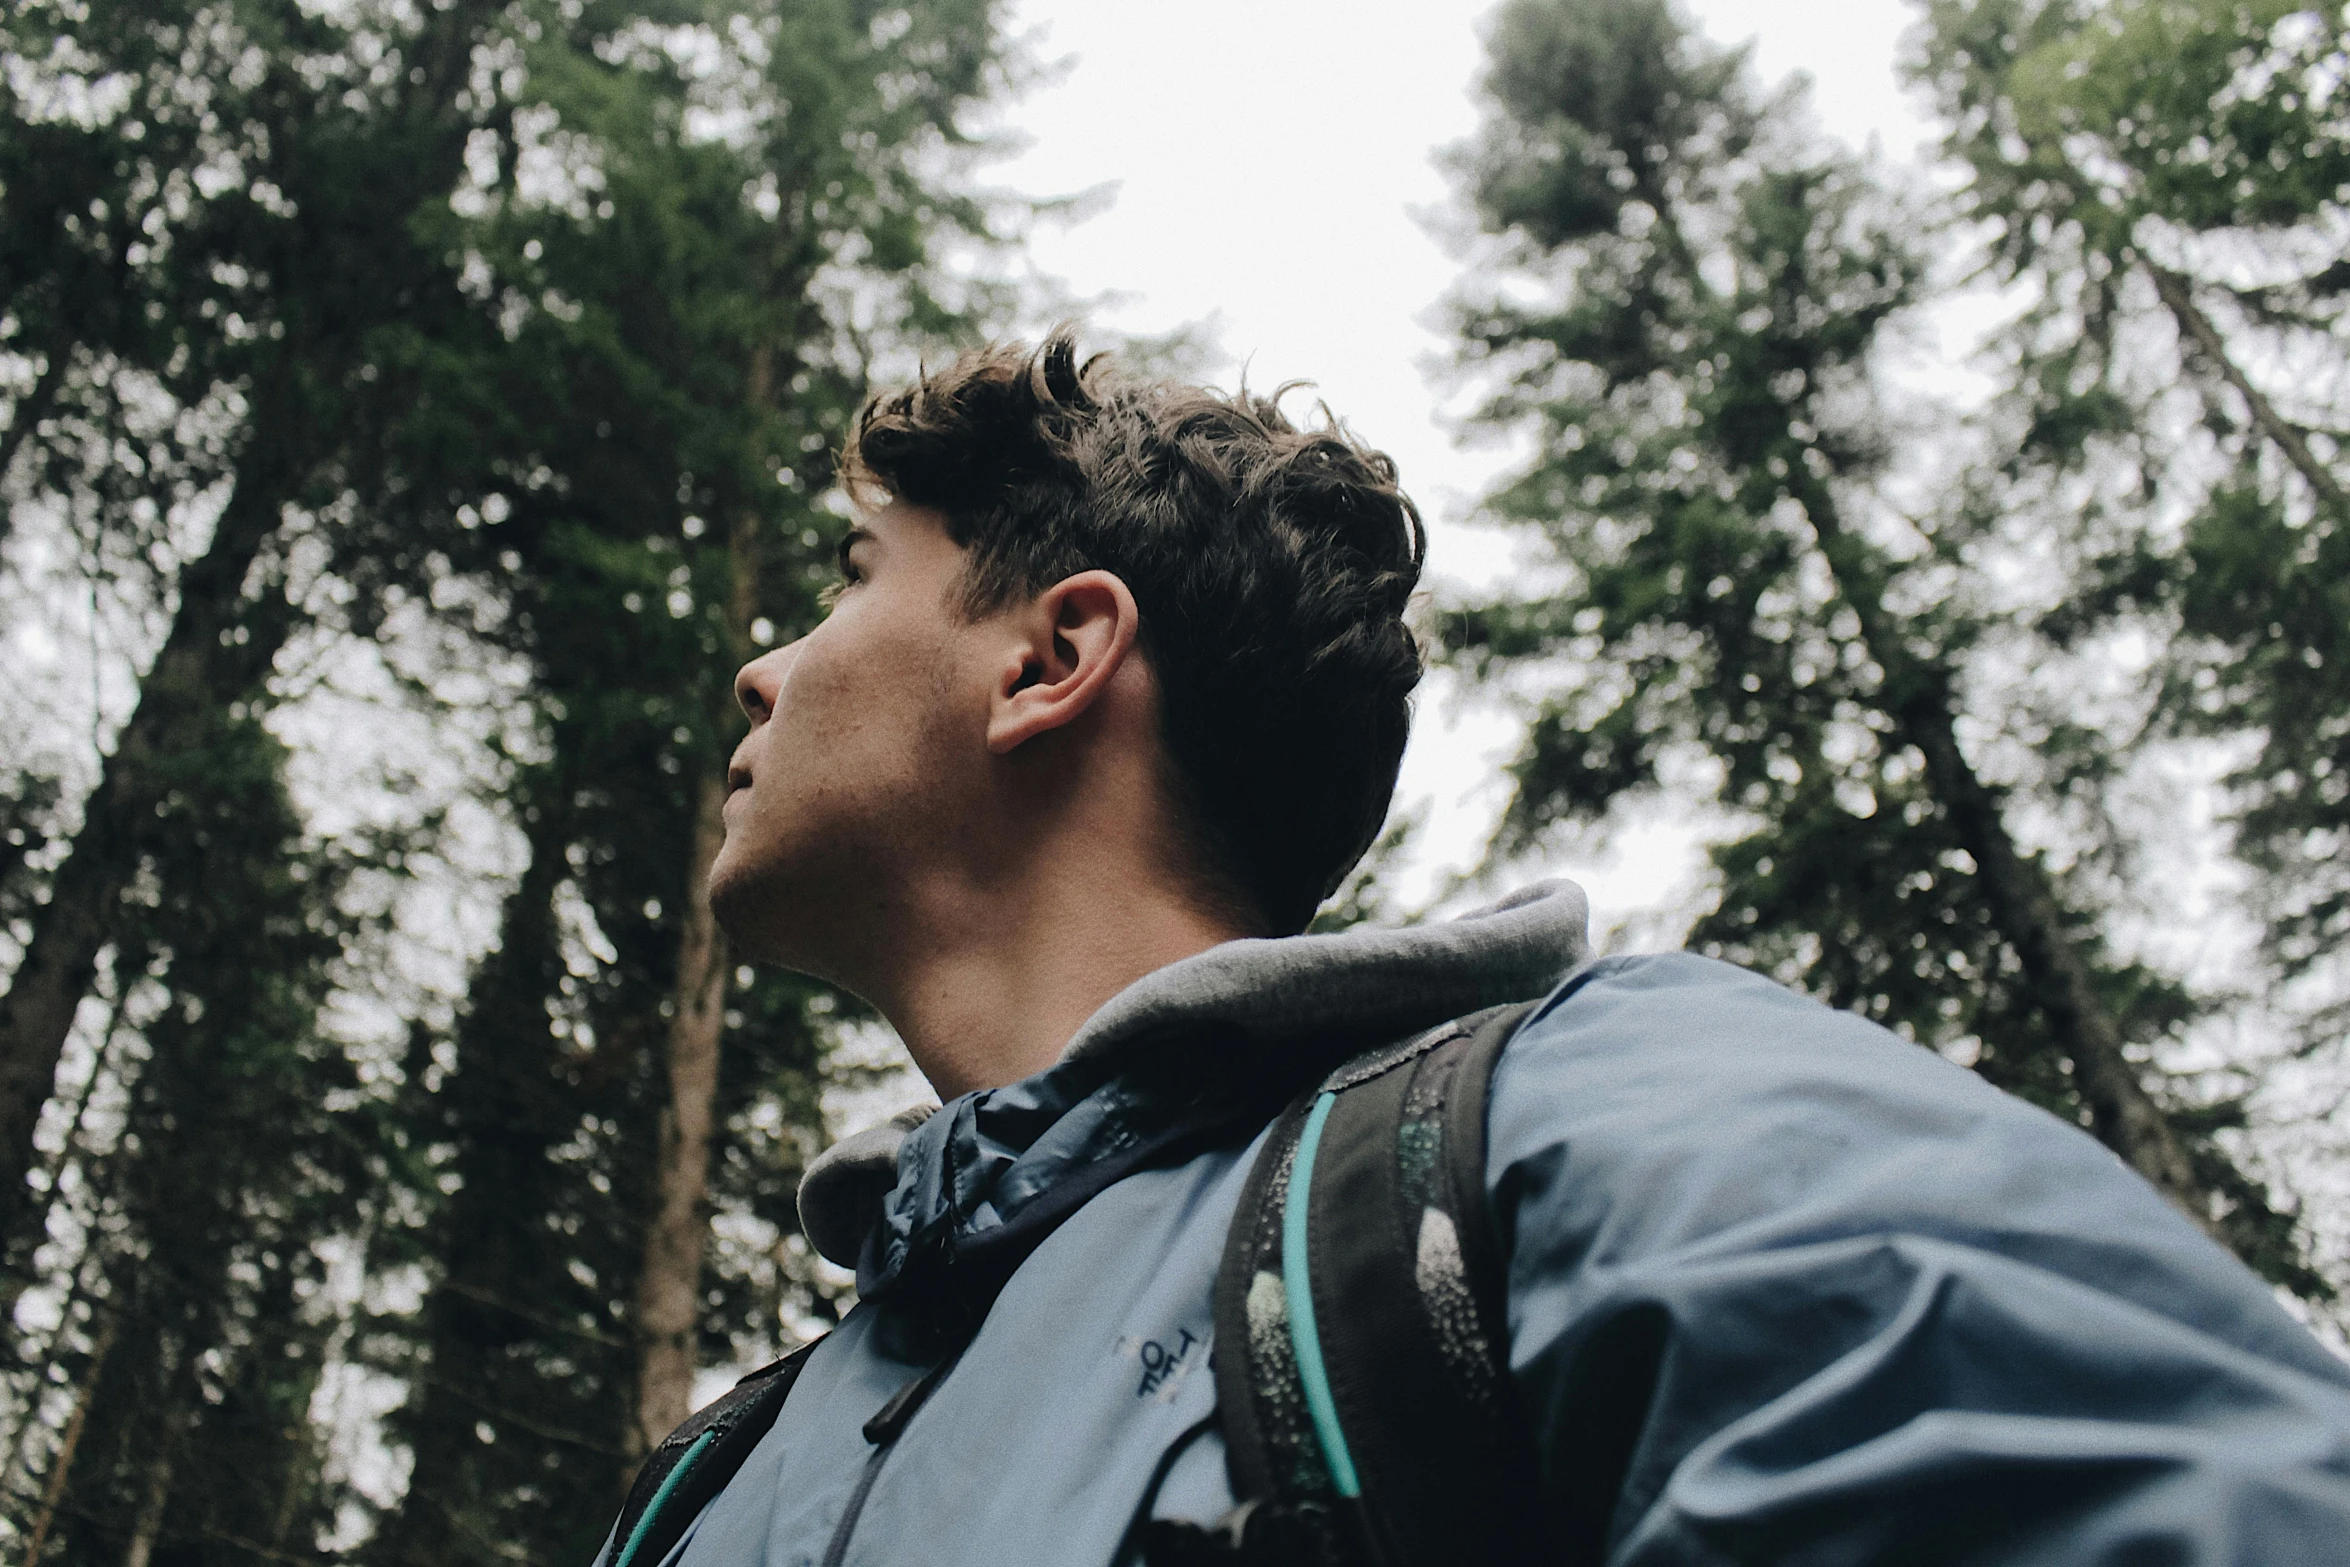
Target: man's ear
<point>1073,640</point>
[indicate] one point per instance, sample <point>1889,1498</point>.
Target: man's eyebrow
<point>849,541</point>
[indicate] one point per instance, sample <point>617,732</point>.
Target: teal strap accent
<point>669,1481</point>
<point>1304,1336</point>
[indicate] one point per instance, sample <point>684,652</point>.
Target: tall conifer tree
<point>681,361</point>
<point>2162,181</point>
<point>546,317</point>
<point>193,1333</point>
<point>252,256</point>
<point>1699,302</point>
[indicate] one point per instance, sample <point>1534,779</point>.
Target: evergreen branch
<point>2178,297</point>
<point>496,1302</point>
<point>522,1422</point>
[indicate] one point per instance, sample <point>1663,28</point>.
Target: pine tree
<point>193,1331</point>
<point>103,301</point>
<point>1754,603</point>
<point>543,317</point>
<point>670,403</point>
<point>302,159</point>
<point>2157,180</point>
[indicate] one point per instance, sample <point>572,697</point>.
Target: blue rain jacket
<point>1896,1315</point>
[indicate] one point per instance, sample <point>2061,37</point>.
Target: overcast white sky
<point>1272,162</point>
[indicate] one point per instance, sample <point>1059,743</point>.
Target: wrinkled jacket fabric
<point>1782,1288</point>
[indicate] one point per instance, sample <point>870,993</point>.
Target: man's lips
<point>737,780</point>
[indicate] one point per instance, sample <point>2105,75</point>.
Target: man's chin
<point>737,897</point>
<point>752,903</point>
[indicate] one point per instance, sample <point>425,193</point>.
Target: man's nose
<point>759,683</point>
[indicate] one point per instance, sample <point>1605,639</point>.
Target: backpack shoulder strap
<point>694,1462</point>
<point>1362,1374</point>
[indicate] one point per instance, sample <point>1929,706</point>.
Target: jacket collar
<point>1217,1040</point>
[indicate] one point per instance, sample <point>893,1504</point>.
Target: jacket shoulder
<point>1664,1106</point>
<point>1783,1286</point>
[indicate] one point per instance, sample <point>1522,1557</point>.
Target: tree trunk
<point>2121,1113</point>
<point>299,1477</point>
<point>15,1280</point>
<point>148,1526</point>
<point>669,1285</point>
<point>482,1239</point>
<point>199,673</point>
<point>53,1488</point>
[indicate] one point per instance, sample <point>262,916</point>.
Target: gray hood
<point>1138,1065</point>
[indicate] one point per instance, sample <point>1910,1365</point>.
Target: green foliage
<point>542,320</point>
<point>519,1372</point>
<point>2265,613</point>
<point>2187,158</point>
<point>1677,420</point>
<point>641,450</point>
<point>243,1143</point>
<point>2202,114</point>
<point>1596,106</point>
<point>1695,302</point>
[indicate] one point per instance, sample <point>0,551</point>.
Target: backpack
<point>1362,1373</point>
<point>1362,1379</point>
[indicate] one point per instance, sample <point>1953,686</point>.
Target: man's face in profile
<point>859,751</point>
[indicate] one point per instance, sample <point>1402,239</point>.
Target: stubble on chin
<point>720,888</point>
<point>753,896</point>
<point>730,902</point>
<point>741,889</point>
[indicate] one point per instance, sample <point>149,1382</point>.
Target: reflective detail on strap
<point>1304,1337</point>
<point>669,1484</point>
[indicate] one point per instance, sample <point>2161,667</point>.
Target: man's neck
<point>993,986</point>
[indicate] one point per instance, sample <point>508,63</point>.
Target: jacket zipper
<point>882,1431</point>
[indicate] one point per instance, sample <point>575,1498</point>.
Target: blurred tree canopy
<point>486,358</point>
<point>2164,180</point>
<point>1881,634</point>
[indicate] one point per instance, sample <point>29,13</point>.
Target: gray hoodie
<point>1782,1287</point>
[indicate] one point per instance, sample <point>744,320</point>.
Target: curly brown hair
<point>1271,564</point>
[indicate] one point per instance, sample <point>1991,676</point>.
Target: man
<point>1112,696</point>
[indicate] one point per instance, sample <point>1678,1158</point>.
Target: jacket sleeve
<point>1784,1288</point>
